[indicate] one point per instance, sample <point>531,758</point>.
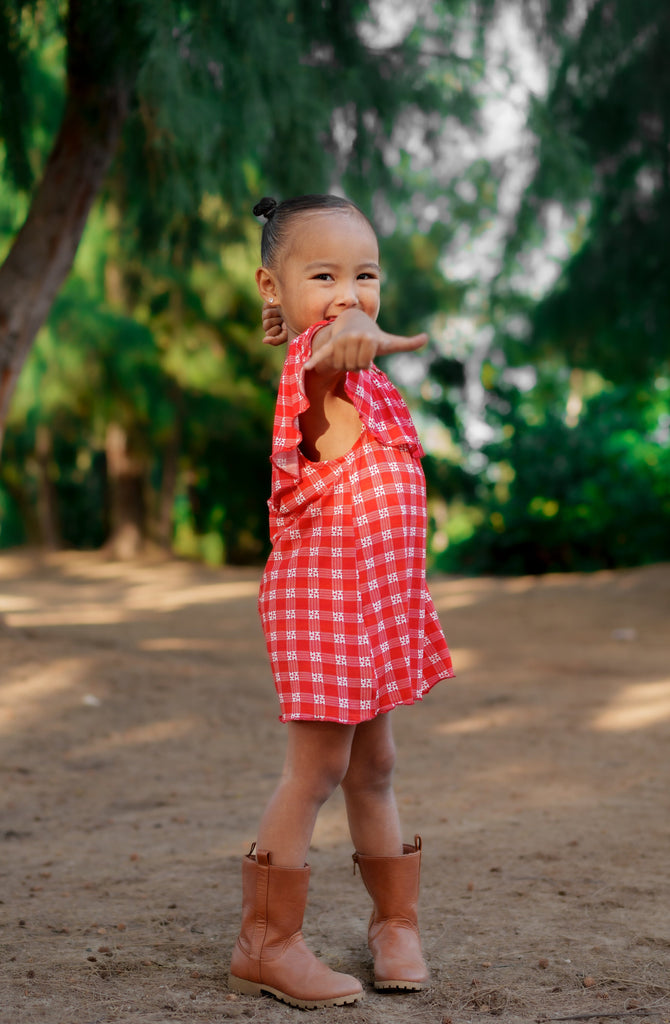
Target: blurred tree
<point>161,108</point>
<point>172,400</point>
<point>574,372</point>
<point>211,95</point>
<point>105,43</point>
<point>603,155</point>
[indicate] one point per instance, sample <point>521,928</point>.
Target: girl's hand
<point>352,341</point>
<point>273,325</point>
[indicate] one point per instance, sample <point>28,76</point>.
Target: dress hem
<point>297,717</point>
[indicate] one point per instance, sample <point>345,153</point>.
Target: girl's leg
<point>389,871</point>
<point>317,757</point>
<point>372,811</point>
<point>270,954</point>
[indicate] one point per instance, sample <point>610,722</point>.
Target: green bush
<point>592,496</point>
<point>12,531</point>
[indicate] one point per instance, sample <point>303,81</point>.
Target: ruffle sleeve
<point>378,402</point>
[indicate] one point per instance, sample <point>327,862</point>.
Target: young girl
<point>350,627</point>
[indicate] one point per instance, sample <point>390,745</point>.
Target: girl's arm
<point>331,425</point>
<point>352,341</point>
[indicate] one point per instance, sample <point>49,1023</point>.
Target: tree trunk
<point>44,250</point>
<point>47,501</point>
<point>169,487</point>
<point>127,513</point>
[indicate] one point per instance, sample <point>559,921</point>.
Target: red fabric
<point>350,627</point>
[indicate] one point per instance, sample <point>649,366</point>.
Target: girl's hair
<point>278,215</point>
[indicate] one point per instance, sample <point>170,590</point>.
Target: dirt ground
<point>139,740</point>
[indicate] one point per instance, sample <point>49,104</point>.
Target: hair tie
<point>265,207</point>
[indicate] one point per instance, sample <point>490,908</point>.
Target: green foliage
<point>14,96</point>
<point>603,139</point>
<point>563,498</point>
<point>232,99</point>
<point>12,528</point>
<point>416,289</point>
<point>577,476</point>
<point>157,331</point>
<point>187,365</point>
<point>228,478</point>
<point>246,98</point>
<point>32,73</point>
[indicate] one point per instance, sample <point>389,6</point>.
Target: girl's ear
<point>266,284</point>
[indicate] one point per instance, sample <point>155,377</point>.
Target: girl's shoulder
<point>292,383</point>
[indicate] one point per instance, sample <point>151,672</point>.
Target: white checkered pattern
<point>350,626</point>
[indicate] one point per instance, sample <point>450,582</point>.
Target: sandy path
<point>139,739</point>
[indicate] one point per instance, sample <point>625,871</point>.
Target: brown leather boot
<point>393,934</point>
<point>270,955</point>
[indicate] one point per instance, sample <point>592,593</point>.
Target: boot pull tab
<point>417,843</point>
<point>253,847</point>
<point>354,857</point>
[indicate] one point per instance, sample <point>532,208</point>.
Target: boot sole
<point>400,986</point>
<point>253,988</point>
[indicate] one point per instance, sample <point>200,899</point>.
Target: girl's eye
<point>367,277</point>
<point>322,277</point>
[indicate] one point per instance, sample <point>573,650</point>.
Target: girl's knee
<point>372,767</point>
<point>319,783</point>
<point>318,768</point>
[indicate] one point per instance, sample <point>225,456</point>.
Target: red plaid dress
<point>350,627</point>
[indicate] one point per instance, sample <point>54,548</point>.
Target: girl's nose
<point>348,295</point>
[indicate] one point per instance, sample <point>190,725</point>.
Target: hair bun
<point>265,207</point>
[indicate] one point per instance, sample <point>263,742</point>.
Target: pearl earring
<point>270,300</point>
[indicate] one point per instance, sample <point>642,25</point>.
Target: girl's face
<point>329,263</point>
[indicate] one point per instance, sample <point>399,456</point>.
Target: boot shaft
<point>393,932</point>
<point>273,901</point>
<point>393,882</point>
